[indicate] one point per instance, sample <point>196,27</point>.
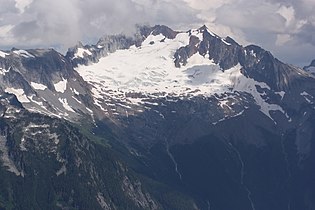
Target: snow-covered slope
<point>121,76</point>
<point>148,71</point>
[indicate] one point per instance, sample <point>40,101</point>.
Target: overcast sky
<point>285,27</point>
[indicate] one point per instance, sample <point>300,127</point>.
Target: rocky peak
<point>37,65</point>
<point>262,66</point>
<point>220,50</point>
<point>223,51</point>
<point>44,81</point>
<point>164,30</point>
<point>310,68</point>
<point>48,62</point>
<point>9,106</point>
<point>85,54</point>
<point>257,63</point>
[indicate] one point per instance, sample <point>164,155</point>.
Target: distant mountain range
<point>160,120</point>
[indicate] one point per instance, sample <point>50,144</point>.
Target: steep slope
<point>47,163</point>
<point>44,81</point>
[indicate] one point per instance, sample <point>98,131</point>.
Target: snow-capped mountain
<point>210,119</point>
<point>171,66</point>
<point>156,63</point>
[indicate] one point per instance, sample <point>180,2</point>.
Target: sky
<point>284,27</point>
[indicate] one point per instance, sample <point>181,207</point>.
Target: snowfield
<point>150,70</point>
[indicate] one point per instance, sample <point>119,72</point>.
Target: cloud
<point>64,23</point>
<point>285,27</point>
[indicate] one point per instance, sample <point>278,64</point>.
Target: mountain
<point>163,119</point>
<point>47,163</point>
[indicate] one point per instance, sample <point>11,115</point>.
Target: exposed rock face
<point>256,62</point>
<point>46,82</point>
<point>39,152</point>
<point>107,44</point>
<point>135,193</point>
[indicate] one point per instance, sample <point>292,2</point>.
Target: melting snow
<point>61,86</point>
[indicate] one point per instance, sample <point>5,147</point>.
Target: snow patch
<point>307,97</point>
<point>3,54</point>
<point>80,53</point>
<point>281,93</point>
<point>23,53</point>
<point>36,102</point>
<point>19,93</point>
<point>75,91</point>
<point>3,71</point>
<point>65,104</point>
<point>197,33</point>
<point>32,125</point>
<point>62,170</point>
<point>252,53</point>
<point>38,86</point>
<point>225,42</point>
<point>61,86</point>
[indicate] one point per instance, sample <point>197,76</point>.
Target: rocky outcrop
<point>45,81</point>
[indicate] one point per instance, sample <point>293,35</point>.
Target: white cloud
<point>22,4</point>
<point>276,25</point>
<point>288,13</point>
